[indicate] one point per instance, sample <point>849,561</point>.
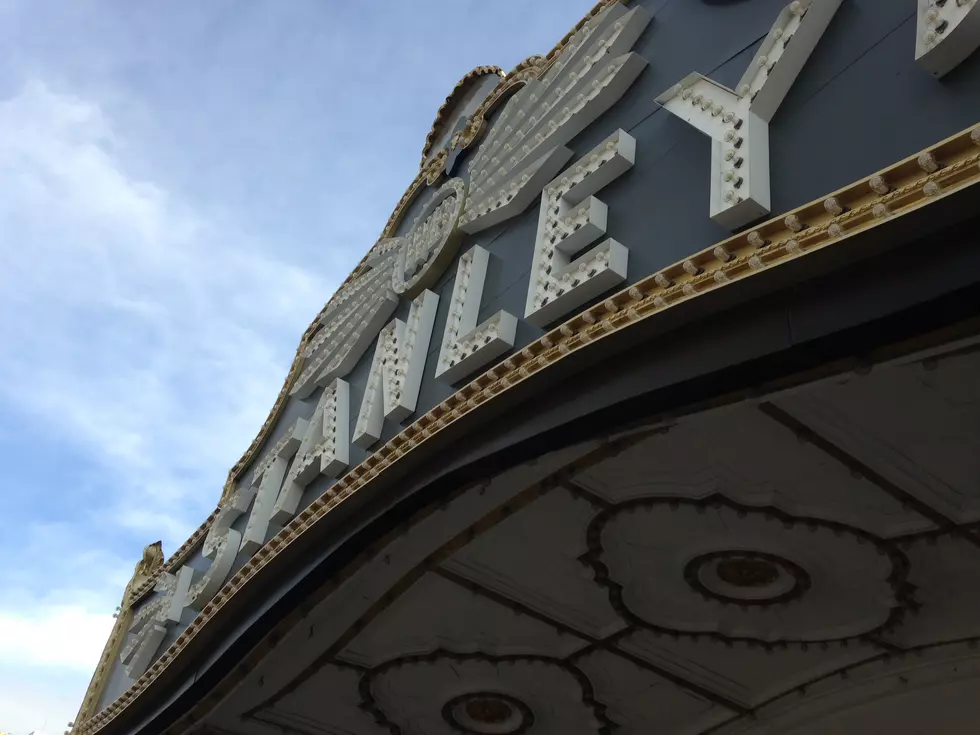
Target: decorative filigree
<point>519,715</point>
<point>152,561</point>
<point>762,579</point>
<point>461,88</point>
<point>533,67</point>
<point>176,559</point>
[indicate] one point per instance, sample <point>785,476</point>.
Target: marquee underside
<point>802,562</point>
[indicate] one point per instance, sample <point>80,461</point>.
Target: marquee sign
<point>500,160</point>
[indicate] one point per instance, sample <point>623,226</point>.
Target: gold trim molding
<point>832,222</point>
<point>462,86</point>
<point>146,568</point>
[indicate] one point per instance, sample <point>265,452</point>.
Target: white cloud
<point>58,635</point>
<point>145,332</point>
<point>43,703</point>
<point>55,617</point>
<point>146,336</point>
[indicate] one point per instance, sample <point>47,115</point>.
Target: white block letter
<point>324,449</point>
<point>946,33</point>
<point>396,371</point>
<point>267,479</point>
<point>466,346</point>
<point>150,625</point>
<point>738,121</point>
<point>571,219</point>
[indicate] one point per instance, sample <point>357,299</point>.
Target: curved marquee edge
<point>909,185</point>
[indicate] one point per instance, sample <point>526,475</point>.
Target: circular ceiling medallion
<point>747,571</point>
<point>488,713</point>
<point>747,577</point>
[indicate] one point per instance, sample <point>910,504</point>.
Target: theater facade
<point>655,408</point>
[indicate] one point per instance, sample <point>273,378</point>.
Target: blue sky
<point>182,186</point>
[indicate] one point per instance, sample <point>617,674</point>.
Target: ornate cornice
<point>832,222</point>
<point>461,88</point>
<point>147,568</point>
<point>176,559</point>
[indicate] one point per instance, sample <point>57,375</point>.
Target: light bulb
<point>927,162</point>
<point>833,206</point>
<point>879,185</point>
<point>793,223</point>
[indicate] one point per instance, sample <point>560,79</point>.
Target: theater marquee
<point>429,328</point>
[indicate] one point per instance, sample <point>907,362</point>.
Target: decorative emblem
<point>426,251</point>
<point>555,696</point>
